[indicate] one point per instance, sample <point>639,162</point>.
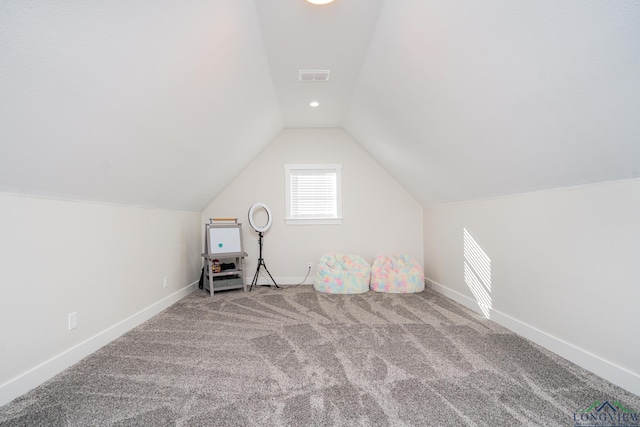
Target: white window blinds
<point>313,192</point>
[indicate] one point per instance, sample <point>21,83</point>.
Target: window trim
<point>337,168</point>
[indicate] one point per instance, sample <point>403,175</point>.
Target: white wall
<point>379,215</point>
<point>105,262</point>
<point>563,269</point>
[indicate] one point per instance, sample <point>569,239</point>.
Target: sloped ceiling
<point>161,104</point>
<point>462,100</point>
<point>139,102</point>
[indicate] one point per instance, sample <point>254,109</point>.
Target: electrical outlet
<point>73,321</point>
<point>309,264</point>
<point>165,282</point>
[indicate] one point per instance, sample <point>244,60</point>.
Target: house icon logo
<point>601,414</point>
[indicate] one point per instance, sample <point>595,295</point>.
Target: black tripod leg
<point>255,277</point>
<point>274,280</point>
<point>261,263</point>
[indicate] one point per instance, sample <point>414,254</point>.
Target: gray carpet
<point>296,357</point>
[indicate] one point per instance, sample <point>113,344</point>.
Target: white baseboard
<point>49,368</point>
<point>283,280</point>
<point>617,375</point>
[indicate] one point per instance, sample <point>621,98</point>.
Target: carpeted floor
<point>300,358</point>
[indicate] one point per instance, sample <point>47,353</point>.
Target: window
<point>313,194</point>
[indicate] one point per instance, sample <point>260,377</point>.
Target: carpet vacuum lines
<point>296,357</point>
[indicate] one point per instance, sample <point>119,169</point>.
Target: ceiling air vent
<point>313,75</point>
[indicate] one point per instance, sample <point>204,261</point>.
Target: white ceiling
<point>162,103</point>
<point>141,102</point>
<point>298,35</point>
<point>463,99</point>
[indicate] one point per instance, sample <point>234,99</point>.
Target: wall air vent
<point>313,75</point>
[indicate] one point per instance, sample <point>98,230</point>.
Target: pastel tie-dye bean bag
<point>396,274</point>
<point>342,274</point>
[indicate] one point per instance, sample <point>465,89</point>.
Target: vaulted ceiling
<point>162,104</point>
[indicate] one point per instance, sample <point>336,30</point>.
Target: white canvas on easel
<point>225,240</point>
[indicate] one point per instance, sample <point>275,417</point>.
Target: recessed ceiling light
<point>320,1</point>
<point>314,103</point>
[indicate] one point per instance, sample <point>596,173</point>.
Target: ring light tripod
<point>260,230</point>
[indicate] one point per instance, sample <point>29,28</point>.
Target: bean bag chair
<point>396,274</point>
<point>342,274</point>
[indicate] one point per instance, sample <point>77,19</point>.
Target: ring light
<point>259,229</point>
